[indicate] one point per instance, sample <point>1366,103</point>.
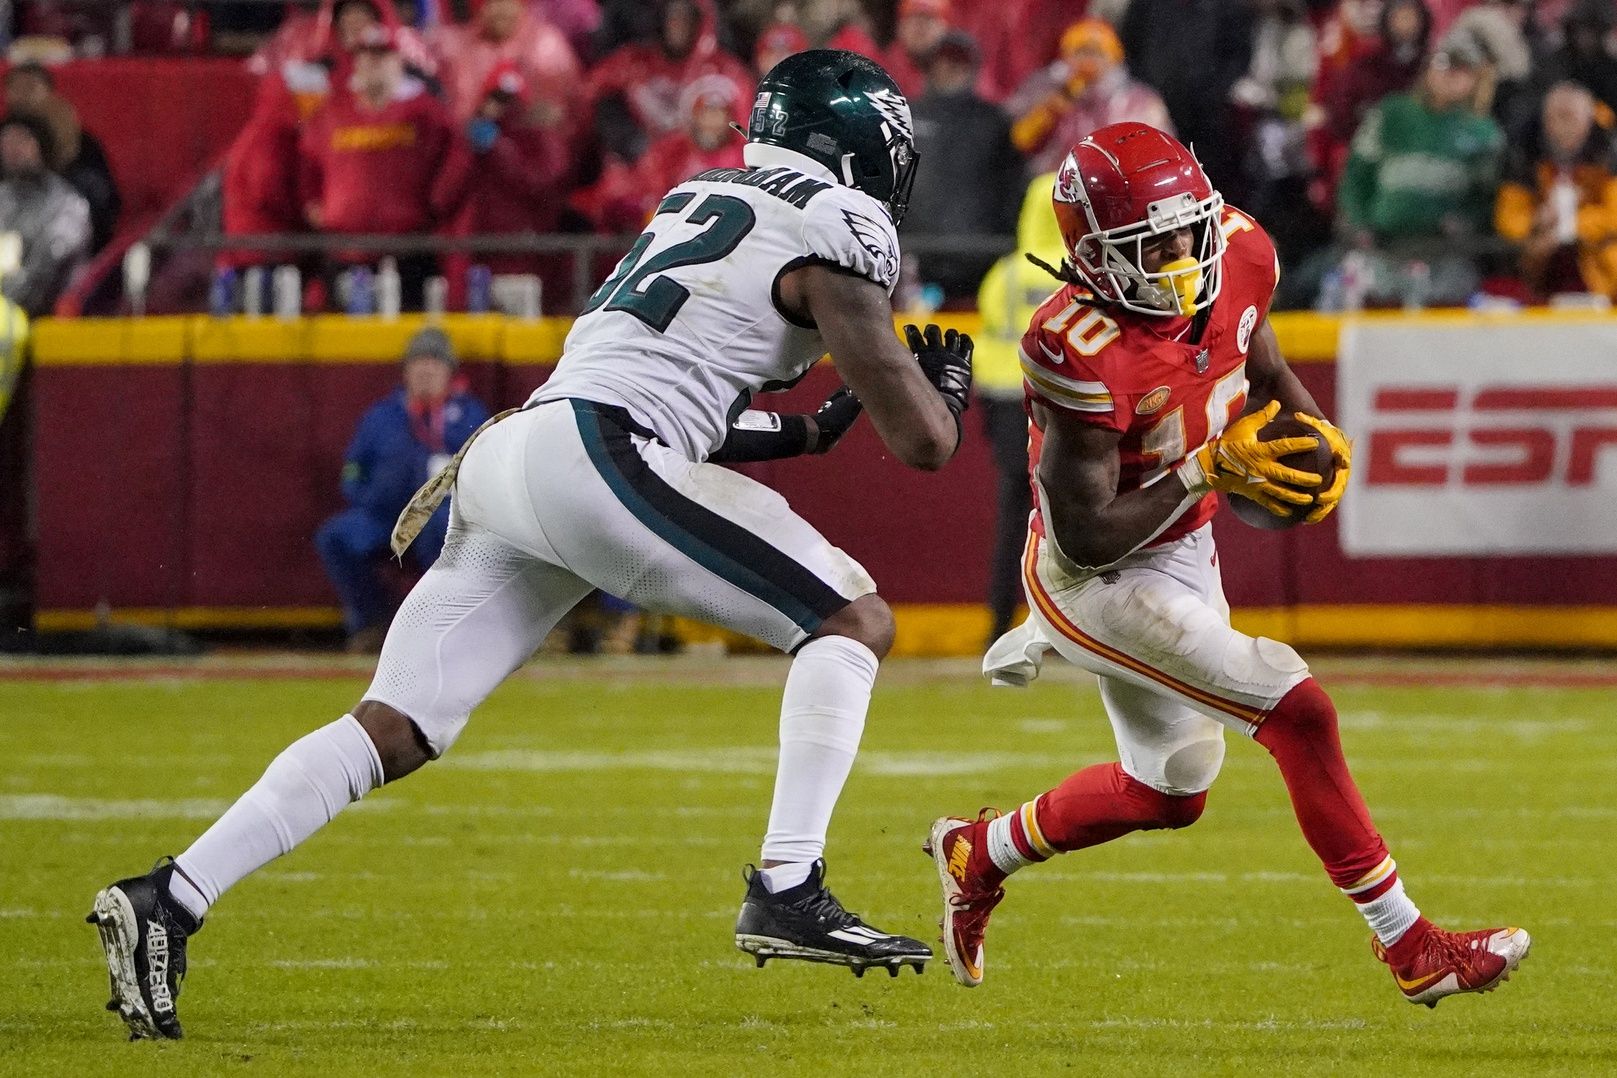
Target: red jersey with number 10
<point>1141,376</point>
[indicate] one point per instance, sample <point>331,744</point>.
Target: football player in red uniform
<point>1149,375</point>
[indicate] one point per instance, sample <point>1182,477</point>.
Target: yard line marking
<point>628,875</point>
<point>56,807</point>
<point>755,760</point>
<point>1464,673</point>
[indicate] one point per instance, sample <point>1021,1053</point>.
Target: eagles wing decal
<point>894,109</point>
<point>876,240</point>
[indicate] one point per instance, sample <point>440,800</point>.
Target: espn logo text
<point>1493,436</point>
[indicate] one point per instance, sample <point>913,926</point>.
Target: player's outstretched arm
<point>1091,523</point>
<point>855,320</point>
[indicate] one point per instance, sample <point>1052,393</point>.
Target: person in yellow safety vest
<point>13,349</point>
<point>1010,293</point>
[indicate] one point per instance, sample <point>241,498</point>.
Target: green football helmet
<point>843,111</point>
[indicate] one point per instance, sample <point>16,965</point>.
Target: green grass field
<point>557,894</point>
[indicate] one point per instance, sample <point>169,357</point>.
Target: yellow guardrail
<point>1305,338</point>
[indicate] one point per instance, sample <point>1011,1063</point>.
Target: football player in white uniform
<point>741,281</point>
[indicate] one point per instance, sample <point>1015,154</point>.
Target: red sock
<point>1300,732</point>
<point>1092,806</point>
<point>1104,802</point>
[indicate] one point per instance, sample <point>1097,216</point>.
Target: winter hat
<point>431,342</point>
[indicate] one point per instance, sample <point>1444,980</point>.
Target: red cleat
<point>968,898</point>
<point>1438,963</point>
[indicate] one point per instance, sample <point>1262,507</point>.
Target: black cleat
<point>807,922</point>
<point>143,932</point>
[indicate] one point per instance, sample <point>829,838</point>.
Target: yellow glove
<point>1342,454</point>
<point>1239,462</point>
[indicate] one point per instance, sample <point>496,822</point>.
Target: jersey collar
<point>763,155</point>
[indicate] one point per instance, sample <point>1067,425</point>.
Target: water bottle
<point>222,293</point>
<point>253,283</point>
<point>1420,286</point>
<point>530,294</point>
<point>389,289</point>
<point>517,294</point>
<point>361,293</point>
<point>288,288</point>
<point>1355,281</point>
<point>1330,292</point>
<point>435,296</point>
<point>479,289</point>
<point>137,276</point>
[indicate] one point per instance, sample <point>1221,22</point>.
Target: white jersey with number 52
<point>689,325</point>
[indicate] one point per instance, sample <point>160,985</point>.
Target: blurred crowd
<point>1401,152</point>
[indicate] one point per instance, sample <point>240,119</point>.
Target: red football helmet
<point>1119,187</point>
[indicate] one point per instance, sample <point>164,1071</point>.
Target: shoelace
<point>1448,948</point>
<point>823,906</point>
<point>967,903</point>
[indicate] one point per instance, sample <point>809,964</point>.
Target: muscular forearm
<point>1092,536</point>
<point>1270,378</point>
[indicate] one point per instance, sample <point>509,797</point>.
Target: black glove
<point>834,418</point>
<point>945,359</point>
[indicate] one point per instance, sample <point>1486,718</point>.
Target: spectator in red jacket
<point>517,166</point>
<point>1345,94</point>
<point>1087,88</point>
<point>313,51</point>
<point>921,25</point>
<point>1015,38</point>
<point>383,158</point>
<point>260,186</point>
<point>778,41</point>
<point>508,32</point>
<point>625,195</point>
<point>635,92</point>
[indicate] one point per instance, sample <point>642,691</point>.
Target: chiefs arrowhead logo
<point>1068,187</point>
<point>1243,332</point>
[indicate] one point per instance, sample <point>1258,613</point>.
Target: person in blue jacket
<point>402,440</point>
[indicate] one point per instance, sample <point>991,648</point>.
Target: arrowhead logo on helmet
<point>1117,192</point>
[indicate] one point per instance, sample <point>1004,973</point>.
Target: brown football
<point>1317,460</point>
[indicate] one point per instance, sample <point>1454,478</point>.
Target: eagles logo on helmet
<point>846,115</point>
<point>1118,189</point>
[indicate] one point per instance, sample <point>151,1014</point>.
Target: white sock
<point>1002,849</point>
<point>1390,915</point>
<point>312,780</point>
<point>822,714</point>
<point>785,877</point>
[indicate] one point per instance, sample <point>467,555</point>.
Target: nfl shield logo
<point>1202,358</point>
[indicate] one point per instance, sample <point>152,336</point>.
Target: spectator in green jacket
<point>1420,182</point>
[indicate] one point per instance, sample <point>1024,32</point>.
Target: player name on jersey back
<point>690,324</point>
<point>784,183</point>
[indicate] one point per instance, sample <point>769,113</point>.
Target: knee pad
<point>1193,767</point>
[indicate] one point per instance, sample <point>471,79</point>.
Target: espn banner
<point>1478,437</point>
